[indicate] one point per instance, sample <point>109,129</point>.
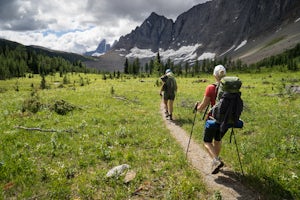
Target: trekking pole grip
<point>195,107</point>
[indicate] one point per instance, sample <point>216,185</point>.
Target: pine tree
<point>43,83</point>
<point>126,66</point>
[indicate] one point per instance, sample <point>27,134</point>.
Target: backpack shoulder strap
<point>216,89</point>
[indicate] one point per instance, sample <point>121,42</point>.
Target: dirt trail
<point>226,181</point>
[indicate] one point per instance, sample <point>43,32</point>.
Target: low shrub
<point>62,107</point>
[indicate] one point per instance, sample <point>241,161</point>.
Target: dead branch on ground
<point>43,130</point>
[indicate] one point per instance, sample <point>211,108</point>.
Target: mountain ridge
<point>240,30</point>
<point>215,29</point>
<point>72,57</point>
<point>211,25</point>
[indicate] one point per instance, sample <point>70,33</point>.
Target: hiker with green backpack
<point>226,107</point>
<point>168,91</point>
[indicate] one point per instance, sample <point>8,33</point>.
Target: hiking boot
<point>216,166</point>
<point>167,113</point>
<point>170,117</point>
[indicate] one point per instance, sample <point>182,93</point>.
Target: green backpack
<point>229,84</point>
<point>229,104</point>
<point>171,85</point>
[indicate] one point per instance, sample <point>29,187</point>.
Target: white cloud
<point>79,25</point>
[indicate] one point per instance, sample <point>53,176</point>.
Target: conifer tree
<point>126,66</point>
<point>43,83</point>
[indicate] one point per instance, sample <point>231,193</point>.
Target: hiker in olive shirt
<point>169,90</point>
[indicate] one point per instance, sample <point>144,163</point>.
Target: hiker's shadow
<point>181,121</point>
<point>237,182</point>
<point>234,180</point>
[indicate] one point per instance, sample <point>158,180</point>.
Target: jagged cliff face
<point>217,25</point>
<point>220,25</point>
<point>239,29</point>
<point>154,33</point>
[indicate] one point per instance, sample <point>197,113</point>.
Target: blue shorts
<point>213,133</point>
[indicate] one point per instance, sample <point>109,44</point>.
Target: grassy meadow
<point>59,143</point>
<point>108,123</point>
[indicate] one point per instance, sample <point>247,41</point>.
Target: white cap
<point>219,71</point>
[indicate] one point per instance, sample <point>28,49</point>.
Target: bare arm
<point>204,103</point>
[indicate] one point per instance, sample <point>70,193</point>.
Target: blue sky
<point>79,25</point>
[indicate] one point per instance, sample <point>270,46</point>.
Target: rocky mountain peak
<point>237,29</point>
<point>102,48</point>
<point>154,33</point>
<point>216,26</point>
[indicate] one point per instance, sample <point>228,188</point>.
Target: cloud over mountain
<point>78,25</point>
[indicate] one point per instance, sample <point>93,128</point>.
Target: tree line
<point>288,60</point>
<point>16,61</point>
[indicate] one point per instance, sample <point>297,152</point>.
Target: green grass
<point>103,131</point>
<point>118,121</point>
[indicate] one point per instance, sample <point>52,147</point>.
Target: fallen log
<point>43,130</point>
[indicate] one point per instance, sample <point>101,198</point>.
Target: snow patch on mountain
<point>241,45</point>
<point>184,53</point>
<point>207,55</point>
<point>140,53</point>
<point>222,54</point>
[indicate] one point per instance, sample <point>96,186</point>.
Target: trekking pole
<point>194,111</point>
<point>205,112</point>
<point>237,150</point>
